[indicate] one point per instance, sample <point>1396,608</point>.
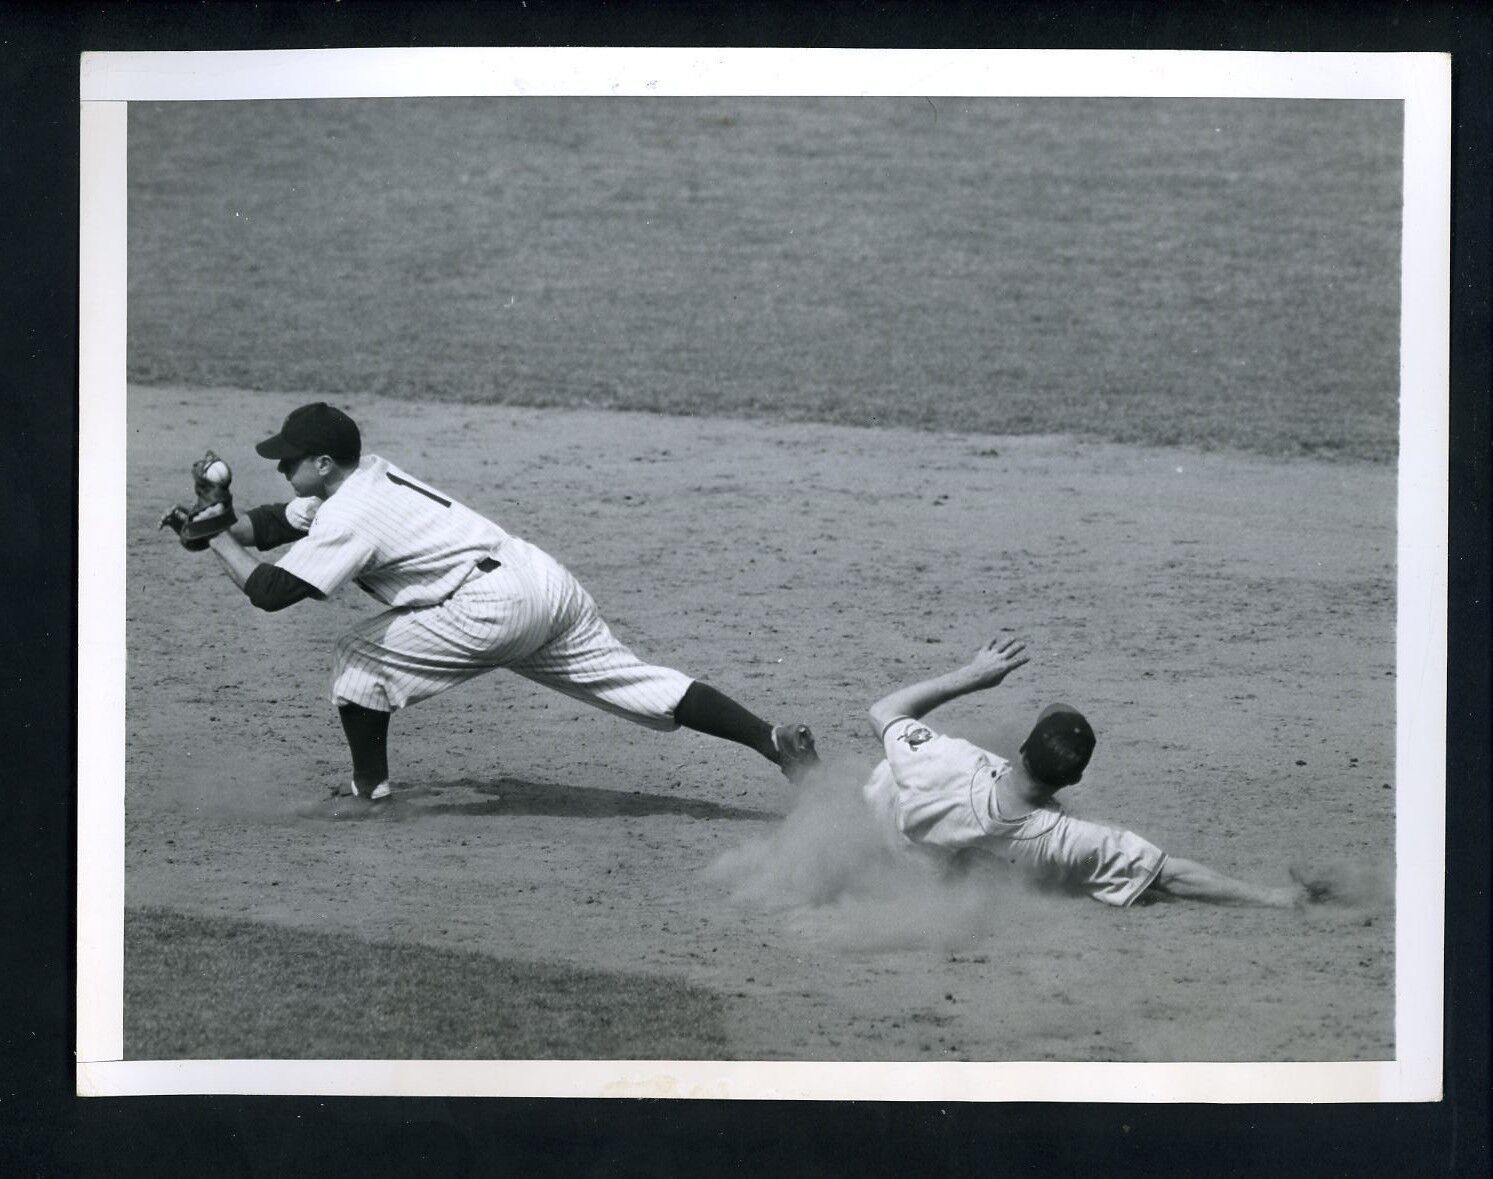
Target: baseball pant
<point>1108,863</point>
<point>529,615</point>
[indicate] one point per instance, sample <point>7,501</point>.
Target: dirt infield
<point>1227,622</point>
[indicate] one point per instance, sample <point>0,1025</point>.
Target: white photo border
<point>1422,81</point>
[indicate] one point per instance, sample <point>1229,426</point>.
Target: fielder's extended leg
<point>708,710</point>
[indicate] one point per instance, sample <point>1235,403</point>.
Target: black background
<point>45,1130</point>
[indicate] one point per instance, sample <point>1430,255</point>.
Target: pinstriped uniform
<point>465,597</point>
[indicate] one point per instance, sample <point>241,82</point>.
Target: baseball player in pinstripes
<point>953,803</point>
<point>463,597</point>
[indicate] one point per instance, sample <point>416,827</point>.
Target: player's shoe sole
<point>796,752</point>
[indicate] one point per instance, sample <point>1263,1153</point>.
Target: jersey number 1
<point>425,491</point>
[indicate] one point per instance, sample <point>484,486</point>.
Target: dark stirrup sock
<point>709,711</point>
<point>368,739</point>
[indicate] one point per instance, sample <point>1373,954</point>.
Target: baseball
<point>217,472</point>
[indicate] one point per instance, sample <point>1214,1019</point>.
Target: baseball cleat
<point>796,754</point>
<point>378,794</point>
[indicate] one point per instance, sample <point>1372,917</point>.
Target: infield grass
<point>1211,273</point>
<point>209,988</point>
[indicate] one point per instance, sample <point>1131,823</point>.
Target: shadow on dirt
<point>518,796</point>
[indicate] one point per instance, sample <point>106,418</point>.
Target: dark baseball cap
<point>315,429</point>
<point>1059,746</point>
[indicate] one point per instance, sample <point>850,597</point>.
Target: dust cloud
<point>1349,884</point>
<point>828,872</point>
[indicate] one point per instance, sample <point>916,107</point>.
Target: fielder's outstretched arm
<point>267,586</point>
<point>239,561</point>
<point>990,665</point>
<point>242,530</point>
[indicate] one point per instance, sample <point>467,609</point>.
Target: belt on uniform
<point>482,567</point>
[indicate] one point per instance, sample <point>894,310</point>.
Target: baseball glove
<point>213,512</point>
<point>176,520</point>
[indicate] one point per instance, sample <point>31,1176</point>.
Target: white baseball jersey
<point>402,541</point>
<point>300,511</point>
<point>467,597</point>
<point>937,795</point>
